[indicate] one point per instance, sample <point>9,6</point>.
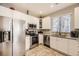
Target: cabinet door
<point>73,47</point>
<point>53,42</point>
<point>63,45</point>
<point>76,17</point>
<point>41,38</point>
<point>27,42</point>
<point>58,44</point>
<point>36,21</point>
<point>46,23</point>
<point>33,20</point>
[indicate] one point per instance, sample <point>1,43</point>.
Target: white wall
<point>76,18</point>
<point>5,23</point>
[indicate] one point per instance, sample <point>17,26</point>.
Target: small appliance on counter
<point>75,33</point>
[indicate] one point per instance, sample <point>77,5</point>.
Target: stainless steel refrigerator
<point>18,37</point>
<point>12,37</point>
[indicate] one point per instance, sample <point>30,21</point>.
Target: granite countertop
<point>46,34</point>
<point>66,37</point>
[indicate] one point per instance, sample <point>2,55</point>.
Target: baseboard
<point>60,52</point>
<point>41,44</point>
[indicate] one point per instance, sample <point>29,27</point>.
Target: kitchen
<point>56,29</point>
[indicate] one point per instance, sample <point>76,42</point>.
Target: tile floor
<point>42,51</point>
<point>6,49</point>
<point>37,51</point>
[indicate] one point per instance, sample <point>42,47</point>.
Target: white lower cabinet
<point>62,45</point>
<point>68,46</point>
<point>40,38</point>
<point>59,44</point>
<point>73,48</point>
<point>52,42</point>
<point>27,42</point>
<point>46,23</point>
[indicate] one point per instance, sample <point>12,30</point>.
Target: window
<point>61,23</point>
<point>55,24</point>
<point>65,23</point>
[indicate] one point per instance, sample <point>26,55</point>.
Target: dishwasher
<point>47,40</point>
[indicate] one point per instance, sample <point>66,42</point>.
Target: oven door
<point>34,41</point>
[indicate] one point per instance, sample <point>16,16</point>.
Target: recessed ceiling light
<point>41,12</point>
<point>51,6</point>
<point>55,4</point>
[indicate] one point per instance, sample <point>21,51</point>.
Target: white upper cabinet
<point>6,12</point>
<point>46,23</point>
<point>36,20</point>
<point>32,20</point>
<point>76,18</point>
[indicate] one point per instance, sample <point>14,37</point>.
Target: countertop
<point>66,37</point>
<point>72,38</point>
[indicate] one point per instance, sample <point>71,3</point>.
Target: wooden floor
<point>42,51</point>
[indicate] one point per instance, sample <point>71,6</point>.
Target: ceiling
<point>37,9</point>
